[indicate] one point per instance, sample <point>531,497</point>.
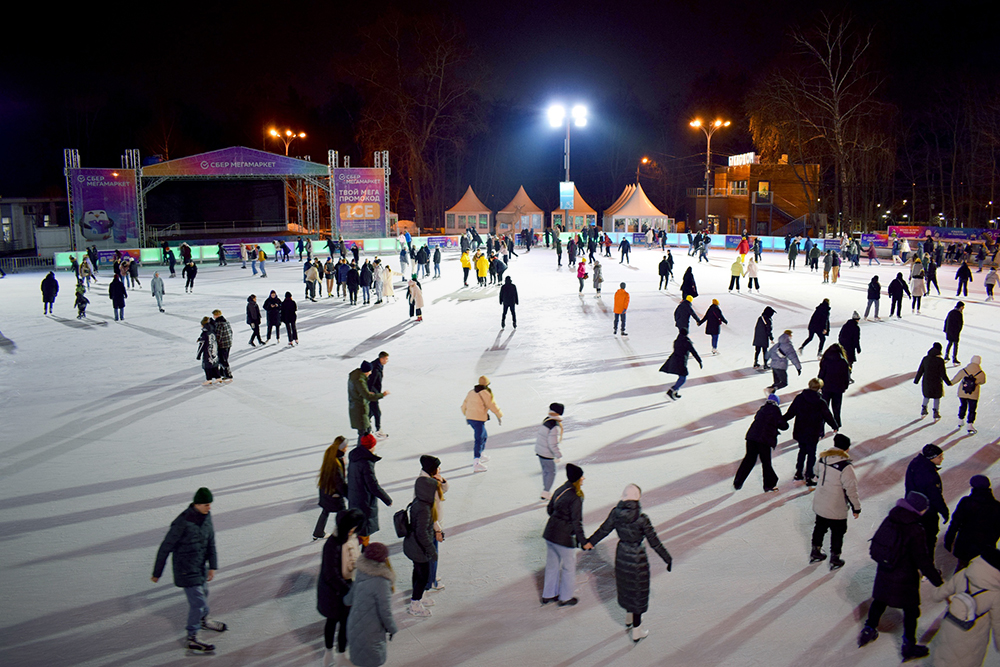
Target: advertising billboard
<point>359,202</point>
<point>105,205</point>
<point>566,198</point>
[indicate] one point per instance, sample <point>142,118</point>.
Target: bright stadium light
<point>557,114</point>
<point>557,117</point>
<point>580,115</point>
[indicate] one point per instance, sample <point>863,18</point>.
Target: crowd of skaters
<point>836,495</point>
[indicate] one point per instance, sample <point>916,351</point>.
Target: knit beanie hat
<point>841,441</point>
<point>368,440</point>
<point>917,501</point>
<point>632,492</point>
<point>773,398</point>
<point>931,451</point>
<point>573,473</point>
<point>430,464</point>
<point>856,316</point>
<point>202,496</point>
<point>690,298</point>
<point>979,482</point>
<point>366,367</point>
<point>622,285</point>
<point>557,408</point>
<point>376,551</point>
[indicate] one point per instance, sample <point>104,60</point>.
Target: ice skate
<point>972,430</point>
<point>381,434</point>
<point>937,415</point>
<point>215,626</point>
<point>638,634</point>
<point>817,555</point>
<point>835,562</point>
<point>478,467</point>
<point>545,495</point>
<point>867,636</point>
<point>194,645</point>
<point>484,458</point>
<point>672,395</point>
<point>923,411</point>
<point>914,651</point>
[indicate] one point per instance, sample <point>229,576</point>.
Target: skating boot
<point>835,562</point>
<point>972,430</point>
<point>417,609</point>
<point>217,626</point>
<point>937,415</point>
<point>638,634</point>
<point>194,645</point>
<point>867,636</point>
<point>923,411</point>
<point>817,555</point>
<point>914,651</point>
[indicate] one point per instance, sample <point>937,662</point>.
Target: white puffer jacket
<point>837,485</point>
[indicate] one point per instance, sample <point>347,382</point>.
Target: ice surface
<point>107,432</point>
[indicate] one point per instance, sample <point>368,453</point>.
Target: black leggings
<point>752,283</point>
<point>756,353</point>
<point>331,629</point>
<point>421,575</point>
<point>277,330</point>
<point>293,333</point>
<point>189,284</point>
<point>734,280</point>
<point>256,334</point>
<point>911,615</point>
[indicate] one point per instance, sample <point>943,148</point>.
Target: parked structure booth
<point>581,216</point>
<point>468,212</point>
<point>521,213</point>
<point>633,211</point>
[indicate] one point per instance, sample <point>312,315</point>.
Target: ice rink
<point>107,433</point>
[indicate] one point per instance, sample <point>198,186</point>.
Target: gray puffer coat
<point>631,564</point>
<point>370,600</point>
<point>782,351</point>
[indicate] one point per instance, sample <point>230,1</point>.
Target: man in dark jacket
<point>762,336</point>
<point>810,412</point>
<point>897,584</point>
<point>375,386</point>
<point>665,269</point>
<point>896,290</point>
<point>623,249</point>
<point>191,540</point>
<point>508,299</point>
<point>762,437</point>
<point>363,489</point>
<point>50,288</point>
<point>963,275</point>
<point>850,338</point>
<point>683,314</point>
<point>922,476</point>
<point>975,525</point>
<point>359,396</point>
<point>952,330</point>
<point>819,326</point>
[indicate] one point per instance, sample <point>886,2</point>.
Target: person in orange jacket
<point>621,305</point>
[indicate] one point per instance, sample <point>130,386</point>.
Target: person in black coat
<point>932,375</point>
<point>332,585</point>
<point>810,412</point>
<point>508,299</point>
<point>418,545</point>
<point>117,293</point>
<point>676,363</point>
<point>715,319</point>
<point>688,287</point>
<point>272,309</point>
<point>762,437</point>
<point>353,283</point>
<point>332,484</point>
<point>762,336</point>
<point>253,319</point>
<point>898,585</point>
<point>366,279</point>
<point>631,563</point>
<point>288,316</point>
<point>50,287</point>
<point>190,271</point>
<point>836,376</point>
<point>666,268</point>
<point>975,525</point>
<point>963,275</point>
<point>375,386</point>
<point>895,291</point>
<point>363,490</point>
<point>819,326</point>
<point>922,476</point>
<point>683,314</point>
<point>563,535</point>
<point>953,323</point>
<point>850,338</point>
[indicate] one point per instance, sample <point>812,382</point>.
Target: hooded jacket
<point>676,363</point>
<point>548,436</point>
<point>953,324</point>
<point>191,540</point>
<point>418,545</point>
<point>370,620</point>
<point>683,314</point>
<point>766,424</point>
<point>834,372</point>
<point>631,563</point>
<point>837,485</point>
<point>762,336</point>
<point>954,646</point>
<point>358,397</point>
<point>688,287</point>
<point>897,287</point>
<point>810,412</point>
<point>479,403</point>
<point>508,293</point>
<point>974,370</point>
<point>715,319</point>
<point>782,352</point>
<point>565,524</point>
<point>819,323</point>
<point>922,475</point>
<point>932,374</point>
<point>975,525</point>
<point>899,586</point>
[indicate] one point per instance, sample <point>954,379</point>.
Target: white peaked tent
<point>633,210</point>
<point>520,213</point>
<point>465,213</point>
<point>580,216</point>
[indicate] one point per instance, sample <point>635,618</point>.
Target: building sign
<point>359,202</point>
<point>105,205</point>
<point>742,159</point>
<point>567,200</point>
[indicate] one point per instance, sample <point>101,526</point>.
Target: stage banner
<point>105,206</point>
<point>359,202</point>
<point>236,161</point>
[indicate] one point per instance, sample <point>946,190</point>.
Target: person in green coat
<point>358,397</point>
<point>191,540</point>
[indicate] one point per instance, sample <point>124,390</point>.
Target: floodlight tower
<point>557,116</point>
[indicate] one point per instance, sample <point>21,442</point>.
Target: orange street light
<point>288,137</point>
<point>709,131</point>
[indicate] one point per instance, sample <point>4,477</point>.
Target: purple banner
<point>105,206</point>
<point>236,161</point>
<point>443,241</point>
<point>359,202</point>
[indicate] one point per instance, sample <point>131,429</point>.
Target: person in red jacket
<point>621,306</point>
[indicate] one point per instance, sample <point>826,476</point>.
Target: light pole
<point>557,116</point>
<point>709,129</point>
<point>287,138</point>
<point>644,160</point>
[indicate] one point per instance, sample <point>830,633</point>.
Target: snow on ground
<point>108,432</point>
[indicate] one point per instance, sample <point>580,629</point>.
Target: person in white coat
<point>547,439</point>
<point>387,288</point>
<point>954,646</point>
<point>751,276</point>
<point>836,493</point>
<point>968,391</point>
<point>415,295</point>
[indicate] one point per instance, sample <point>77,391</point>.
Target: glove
<point>391,635</point>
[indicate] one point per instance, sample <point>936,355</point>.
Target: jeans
<point>376,414</point>
<point>479,443</point>
<point>437,270</point>
<point>119,314</point>
<point>622,315</point>
<point>560,571</point>
<point>159,300</point>
<point>681,379</point>
<point>948,349</point>
<point>872,302</point>
<point>970,405</point>
<point>366,293</point>
<point>715,341</point>
<point>549,472</point>
<point>263,272</point>
<point>756,450</point>
<point>253,265</point>
<point>432,580</point>
<point>197,606</point>
<point>837,529</point>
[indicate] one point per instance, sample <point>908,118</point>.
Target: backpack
<point>886,545</point>
<point>962,608</point>
<point>969,384</point>
<point>401,522</point>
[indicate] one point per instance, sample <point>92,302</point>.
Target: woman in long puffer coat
<point>688,287</point>
<point>370,600</point>
<point>762,336</point>
<point>340,557</point>
<point>955,647</point>
<point>631,564</point>
<point>208,351</point>
<point>932,376</point>
<point>676,363</point>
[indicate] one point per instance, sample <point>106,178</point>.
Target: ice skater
<point>547,439</point>
<point>761,438</point>
<point>476,407</point>
<point>622,299</point>
<point>969,379</point>
<point>563,535</point>
<point>508,299</point>
<point>874,296</point>
<point>332,485</point>
<point>631,562</point>
<point>810,412</point>
<point>836,494</point>
<point>762,337</point>
<point>360,397</point>
<point>81,302</point>
<point>713,320</point>
<point>156,287</point>
<point>191,543</point>
<point>418,545</point>
<point>208,352</point>
<point>50,288</point>
<point>363,489</point>
<point>780,353</point>
<point>253,319</point>
<point>189,271</point>
<point>676,363</point>
<point>895,291</point>
<point>819,326</point>
<point>932,375</point>
<point>953,324</point>
<point>370,601</point>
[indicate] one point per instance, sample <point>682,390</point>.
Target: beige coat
<point>954,647</point>
<point>387,289</point>
<point>478,404</point>
<point>415,293</point>
<point>972,369</point>
<point>438,499</point>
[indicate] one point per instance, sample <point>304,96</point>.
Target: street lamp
<point>287,138</point>
<point>558,116</point>
<point>643,161</point>
<point>709,129</point>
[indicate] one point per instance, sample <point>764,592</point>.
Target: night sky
<point>104,77</point>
